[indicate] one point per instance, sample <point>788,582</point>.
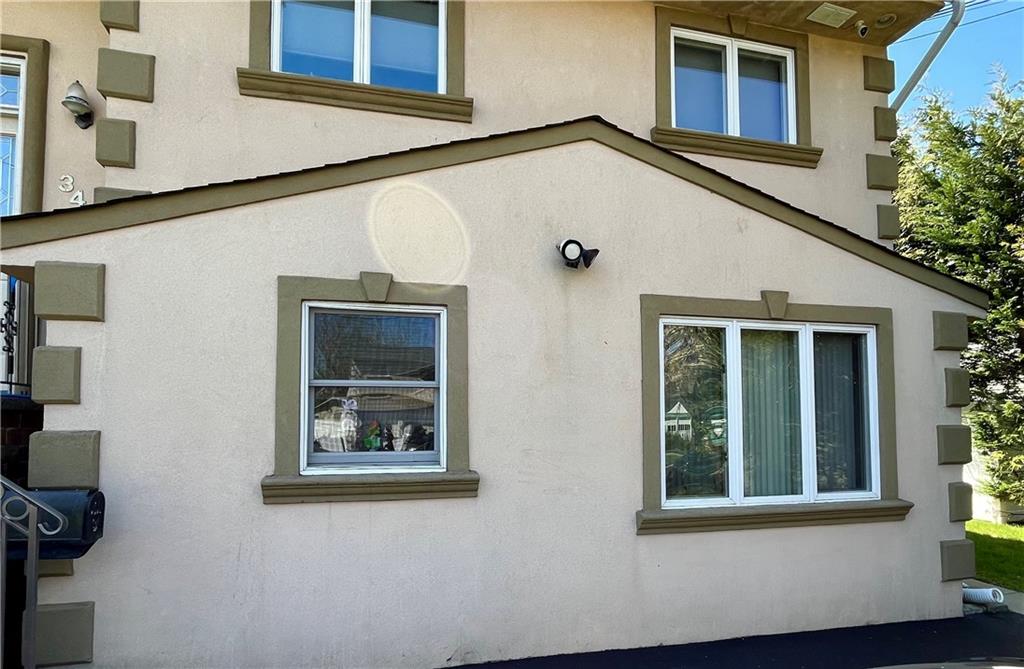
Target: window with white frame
<point>374,388</point>
<point>732,86</point>
<point>396,43</point>
<point>12,124</point>
<point>767,412</point>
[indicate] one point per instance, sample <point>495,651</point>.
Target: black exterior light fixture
<point>78,104</point>
<point>573,254</point>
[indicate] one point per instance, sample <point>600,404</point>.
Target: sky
<point>963,69</point>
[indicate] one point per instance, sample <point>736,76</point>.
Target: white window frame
<point>734,413</point>
<point>20,61</point>
<point>440,428</point>
<point>361,37</point>
<point>732,77</point>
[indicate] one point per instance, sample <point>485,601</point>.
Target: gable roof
<point>37,228</point>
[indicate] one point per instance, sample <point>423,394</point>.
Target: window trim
<point>260,79</point>
<point>33,138</point>
<point>441,365</point>
<point>287,484</point>
<point>801,153</point>
<point>732,48</point>
<point>734,328</point>
<point>653,519</point>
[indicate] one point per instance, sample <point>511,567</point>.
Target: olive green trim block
<point>957,557</point>
<point>125,74</point>
<point>888,221</point>
<point>102,194</point>
<point>960,502</point>
<point>777,302</point>
<point>882,172</point>
<point>369,487</point>
<point>667,17</point>
<point>287,484</point>
<point>954,443</point>
<point>260,17</point>
<point>55,568</point>
<point>667,521</point>
<point>64,459</point>
<point>64,633</point>
<point>69,291</point>
<point>653,307</point>
<point>879,74</point>
<point>958,387</point>
<point>716,144</point>
<point>33,139</point>
<point>318,90</point>
<point>885,124</point>
<point>115,142</point>
<point>949,331</point>
<point>56,374</point>
<point>73,222</point>
<point>120,14</point>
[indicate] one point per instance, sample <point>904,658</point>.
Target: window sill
<point>296,489</point>
<point>285,86</point>
<point>714,144</point>
<point>775,515</point>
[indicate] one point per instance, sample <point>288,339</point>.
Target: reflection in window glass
<point>694,413</point>
<point>403,45</point>
<point>771,412</point>
<point>373,420</point>
<point>354,346</point>
<point>11,69</point>
<point>8,165</point>
<point>841,411</point>
<point>10,85</point>
<point>763,101</point>
<point>318,38</point>
<point>700,90</point>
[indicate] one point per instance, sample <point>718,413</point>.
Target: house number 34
<point>67,185</point>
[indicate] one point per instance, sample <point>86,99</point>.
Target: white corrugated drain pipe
<point>983,595</point>
<point>956,14</point>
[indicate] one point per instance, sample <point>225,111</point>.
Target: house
<point>310,334</point>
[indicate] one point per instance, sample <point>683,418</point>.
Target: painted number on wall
<point>67,185</point>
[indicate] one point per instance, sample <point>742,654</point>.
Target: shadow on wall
<point>418,236</point>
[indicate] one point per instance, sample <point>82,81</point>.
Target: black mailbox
<point>84,510</point>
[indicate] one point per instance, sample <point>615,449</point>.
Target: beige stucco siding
<point>74,32</point>
<point>195,571</point>
<point>527,64</point>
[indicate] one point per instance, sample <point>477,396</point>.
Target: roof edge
<point>38,228</point>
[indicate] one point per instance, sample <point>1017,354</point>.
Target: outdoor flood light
<point>77,103</point>
<point>573,254</point>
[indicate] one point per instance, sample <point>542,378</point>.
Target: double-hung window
<point>12,124</point>
<point>767,412</point>
<point>731,86</point>
<point>394,43</point>
<point>373,388</point>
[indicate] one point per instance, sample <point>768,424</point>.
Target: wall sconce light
<point>77,103</point>
<point>573,254</point>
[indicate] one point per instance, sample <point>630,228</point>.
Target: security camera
<point>862,29</point>
<point>573,254</point>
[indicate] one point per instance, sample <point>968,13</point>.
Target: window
<point>374,388</point>
<point>399,43</point>
<point>730,86</point>
<point>12,132</point>
<point>766,413</point>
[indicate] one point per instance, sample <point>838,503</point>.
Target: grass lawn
<point>999,551</point>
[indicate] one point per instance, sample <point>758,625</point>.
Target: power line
<point>969,5</point>
<point>963,25</point>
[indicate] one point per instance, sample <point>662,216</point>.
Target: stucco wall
<point>74,32</point>
<point>527,64</point>
<point>195,571</point>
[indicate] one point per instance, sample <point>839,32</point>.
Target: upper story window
<point>767,412</point>
<point>399,44</point>
<point>12,130</point>
<point>730,86</point>
<point>374,388</point>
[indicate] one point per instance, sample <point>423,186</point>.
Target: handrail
<point>26,498</point>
